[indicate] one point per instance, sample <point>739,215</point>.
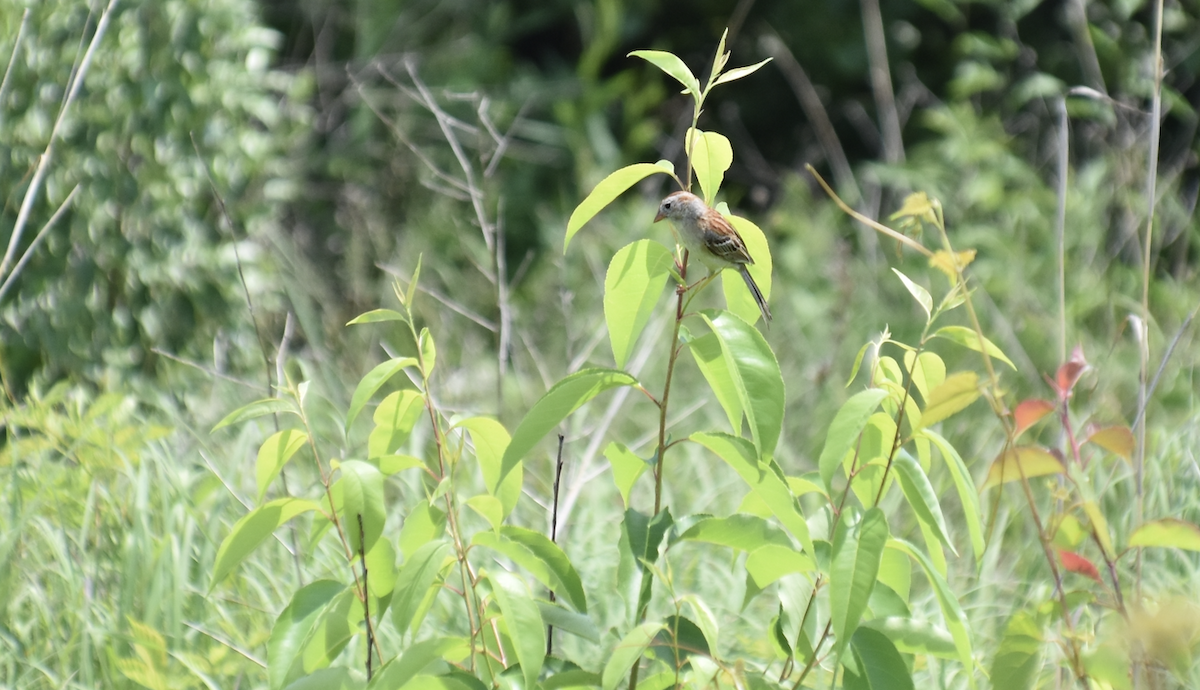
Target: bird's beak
<point>659,217</point>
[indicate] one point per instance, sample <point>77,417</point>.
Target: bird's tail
<point>758,295</point>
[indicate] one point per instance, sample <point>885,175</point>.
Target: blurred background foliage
<point>243,163</point>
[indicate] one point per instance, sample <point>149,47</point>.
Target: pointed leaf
<point>952,613</point>
<point>627,653</point>
<point>740,532</point>
<point>578,624</point>
<point>372,382</point>
<point>672,65</point>
<point>965,487</point>
<point>766,479</point>
<point>293,627</point>
<point>710,359</point>
<point>857,551</point>
<point>1033,461</point>
<point>609,189</point>
<point>739,72</point>
<point>274,454</point>
<point>756,375</point>
<point>416,658</point>
<point>952,396</point>
<point>562,399</point>
<point>843,431</point>
<point>491,439</point>
<point>417,575</point>
<point>919,293</point>
<point>524,622</point>
<point>969,339</point>
<point>770,562</point>
<point>1117,440</point>
<point>1028,413</point>
<point>1019,656</point>
<point>539,556</point>
<point>626,468</point>
<point>359,492</point>
<point>378,316</point>
<point>914,636</point>
<point>921,497</point>
<point>253,529</point>
<point>257,409</point>
<point>1078,564</point>
<point>879,663</point>
<point>632,287</point>
<point>1168,532</point>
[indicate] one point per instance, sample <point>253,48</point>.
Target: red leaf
<point>1078,564</point>
<point>1069,373</point>
<point>1029,412</point>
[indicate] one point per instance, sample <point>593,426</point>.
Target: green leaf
<point>737,296</point>
<point>768,563</point>
<point>372,382</point>
<point>328,679</point>
<point>1020,655</point>
<point>645,534</point>
<point>293,627</point>
<point>626,468</point>
<point>921,497</point>
<point>542,558</point>
<point>417,575</point>
<point>633,285</point>
<point>969,339</point>
<point>952,613</point>
<point>739,72</point>
<point>578,624</point>
<point>257,409</point>
<point>489,508</point>
<point>679,639</point>
<point>627,653</point>
<point>740,532</point>
<point>950,397</point>
<point>843,431</point>
<point>359,492</point>
<point>710,359</point>
<point>491,439</point>
<point>562,399</point>
<point>379,315</point>
<point>673,66</point>
<point>879,664</point>
<point>274,454</point>
<point>919,293</point>
<point>423,524</point>
<point>756,376</point>
<point>913,636</point>
<point>336,624</point>
<point>524,622</point>
<point>927,371</point>
<point>609,189</point>
<point>711,155</point>
<point>1168,532</point>
<point>416,658</point>
<point>381,566</point>
<point>857,551</point>
<point>428,351</point>
<point>392,464</point>
<point>965,486</point>
<point>766,479</point>
<point>394,419</point>
<point>253,529</point>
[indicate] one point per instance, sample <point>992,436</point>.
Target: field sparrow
<point>710,238</point>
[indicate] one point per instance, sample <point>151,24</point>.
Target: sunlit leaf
<point>627,652</point>
<point>919,293</point>
<point>1029,412</point>
<point>524,622</point>
<point>1117,440</point>
<point>1169,532</point>
<point>953,395</point>
<point>738,298</point>
<point>857,550</point>
<point>672,65</point>
<point>1020,654</point>
<point>1030,461</point>
<point>253,529</point>
<point>711,155</point>
<point>257,409</point>
<point>969,339</point>
<point>274,454</point>
<point>756,376</point>
<point>372,382</point>
<point>632,287</point>
<point>843,431</point>
<point>609,189</point>
<point>739,72</point>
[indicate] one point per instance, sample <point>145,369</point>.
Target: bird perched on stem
<point>710,238</point>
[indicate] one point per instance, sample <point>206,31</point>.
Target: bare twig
<point>43,166</point>
<point>881,82</point>
<point>1060,223</point>
<point>814,110</point>
<point>196,365</point>
<point>13,59</point>
<point>25,257</point>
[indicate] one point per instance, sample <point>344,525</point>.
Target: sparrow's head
<point>680,205</point>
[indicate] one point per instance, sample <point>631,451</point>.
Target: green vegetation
<point>301,389</point>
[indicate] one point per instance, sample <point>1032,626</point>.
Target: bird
<point>709,237</point>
